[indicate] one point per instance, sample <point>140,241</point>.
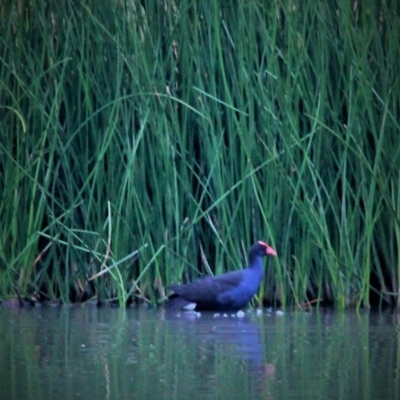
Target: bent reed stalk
<point>145,143</point>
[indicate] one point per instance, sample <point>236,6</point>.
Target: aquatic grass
<point>154,143</point>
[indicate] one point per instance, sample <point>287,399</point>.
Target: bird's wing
<point>208,287</point>
<point>230,279</point>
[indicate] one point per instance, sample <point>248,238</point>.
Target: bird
<point>228,292</point>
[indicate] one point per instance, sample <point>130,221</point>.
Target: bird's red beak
<point>270,251</point>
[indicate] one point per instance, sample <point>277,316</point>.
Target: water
<point>72,353</point>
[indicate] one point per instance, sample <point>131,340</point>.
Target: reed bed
<point>146,143</point>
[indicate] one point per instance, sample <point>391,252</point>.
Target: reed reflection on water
<point>145,354</point>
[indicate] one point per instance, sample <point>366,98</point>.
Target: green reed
<point>147,143</point>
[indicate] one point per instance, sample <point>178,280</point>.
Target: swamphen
<point>227,292</point>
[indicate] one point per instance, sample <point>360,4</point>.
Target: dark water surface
<point>73,353</point>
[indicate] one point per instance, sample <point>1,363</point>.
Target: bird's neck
<point>255,270</point>
<point>256,264</point>
<point>255,261</point>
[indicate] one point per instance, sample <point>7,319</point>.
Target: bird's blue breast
<point>241,295</point>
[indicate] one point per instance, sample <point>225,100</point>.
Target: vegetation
<point>146,142</point>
